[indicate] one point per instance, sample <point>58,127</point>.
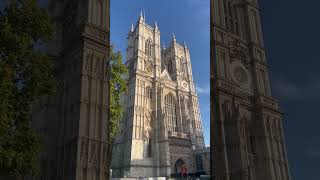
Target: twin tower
<point>161,128</point>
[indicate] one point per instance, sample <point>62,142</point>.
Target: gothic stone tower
<point>161,127</point>
<point>248,135</point>
<point>74,121</point>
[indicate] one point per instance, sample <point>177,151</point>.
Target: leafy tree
<point>118,86</point>
<point>26,74</point>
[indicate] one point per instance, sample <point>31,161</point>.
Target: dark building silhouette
<point>247,132</point>
<point>73,122</point>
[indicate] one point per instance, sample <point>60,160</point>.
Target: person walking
<point>184,170</point>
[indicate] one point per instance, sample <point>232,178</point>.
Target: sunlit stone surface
<point>161,128</point>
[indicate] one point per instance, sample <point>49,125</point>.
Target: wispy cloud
<point>203,89</point>
<point>296,91</point>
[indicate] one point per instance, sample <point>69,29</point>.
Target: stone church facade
<point>248,141</point>
<point>161,128</point>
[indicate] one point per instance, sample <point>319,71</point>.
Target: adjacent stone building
<point>161,128</point>
<point>247,123</point>
<point>73,123</point>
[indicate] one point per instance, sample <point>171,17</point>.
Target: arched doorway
<point>178,165</point>
<point>199,162</point>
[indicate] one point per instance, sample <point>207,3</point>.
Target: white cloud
<point>203,89</point>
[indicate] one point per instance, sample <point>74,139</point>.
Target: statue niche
<point>147,137</point>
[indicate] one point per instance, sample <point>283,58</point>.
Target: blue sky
<point>189,20</point>
<point>292,37</point>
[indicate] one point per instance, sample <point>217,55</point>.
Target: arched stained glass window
<point>185,67</point>
<point>148,47</point>
<point>232,12</point>
<point>148,136</point>
<point>169,66</point>
<point>170,110</point>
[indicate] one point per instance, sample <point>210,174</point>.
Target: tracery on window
<point>184,66</point>
<point>147,136</point>
<point>170,111</point>
<point>149,92</point>
<point>169,66</point>
<point>232,11</point>
<point>148,47</point>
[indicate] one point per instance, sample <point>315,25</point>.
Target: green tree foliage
<point>118,85</point>
<point>26,74</point>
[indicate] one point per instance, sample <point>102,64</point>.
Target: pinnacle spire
<point>141,16</point>
<point>156,25</point>
<point>173,38</point>
<point>132,29</point>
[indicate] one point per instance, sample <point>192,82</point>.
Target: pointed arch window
<point>148,47</point>
<point>170,110</point>
<point>149,92</point>
<point>148,137</point>
<point>232,12</point>
<point>251,142</point>
<point>149,151</point>
<point>169,66</point>
<point>185,68</point>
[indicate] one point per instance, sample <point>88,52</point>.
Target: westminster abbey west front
<point>247,130</point>
<point>161,129</point>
